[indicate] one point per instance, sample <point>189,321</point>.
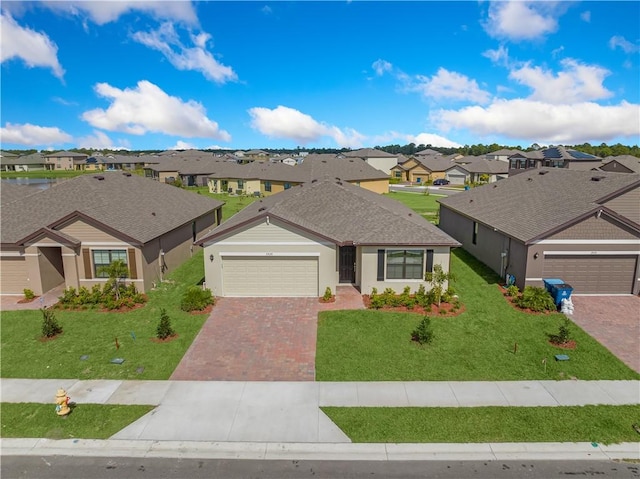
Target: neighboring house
<point>32,162</point>
<point>553,157</point>
<point>487,171</point>
<point>621,164</point>
<point>424,169</point>
<point>319,235</point>
<point>501,155</point>
<point>427,152</point>
<point>580,226</point>
<point>125,162</point>
<point>64,234</point>
<point>379,159</point>
<point>65,160</point>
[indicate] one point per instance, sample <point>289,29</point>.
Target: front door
<point>347,265</point>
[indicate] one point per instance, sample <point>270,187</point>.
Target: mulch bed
<point>206,310</point>
<point>25,300</point>
<point>434,310</point>
<point>332,300</point>
<point>568,345</point>
<point>165,340</point>
<point>511,299</point>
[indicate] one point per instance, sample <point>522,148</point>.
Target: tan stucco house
<point>62,235</point>
<point>322,234</point>
<point>579,226</point>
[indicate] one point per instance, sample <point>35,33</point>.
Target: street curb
<point>319,451</point>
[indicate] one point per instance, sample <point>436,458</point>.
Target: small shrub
<point>328,295</point>
<point>390,298</point>
<point>448,295</point>
<point>536,299</point>
<point>50,326</point>
<point>442,311</point>
<point>375,300</point>
<point>68,296</point>
<point>164,330</point>
<point>407,299</point>
<point>513,291</point>
<point>563,336</point>
<point>423,334</point>
<point>28,294</point>
<point>196,299</point>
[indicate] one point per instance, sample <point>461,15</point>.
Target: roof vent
<point>126,173</point>
<point>153,213</point>
<point>597,178</point>
<point>99,177</point>
<point>324,161</point>
<point>339,182</point>
<point>495,186</point>
<point>529,179</point>
<point>314,181</point>
<point>543,172</point>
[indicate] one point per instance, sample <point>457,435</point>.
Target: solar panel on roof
<point>552,153</point>
<point>580,154</point>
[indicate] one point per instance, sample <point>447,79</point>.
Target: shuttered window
<point>104,257</point>
<point>380,265</point>
<point>405,264</point>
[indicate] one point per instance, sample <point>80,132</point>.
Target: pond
<point>39,183</point>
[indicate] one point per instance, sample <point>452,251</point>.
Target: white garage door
<point>604,274</point>
<point>270,276</point>
<point>456,179</point>
<point>13,276</point>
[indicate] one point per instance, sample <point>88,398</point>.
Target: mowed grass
<point>599,424</point>
<point>86,421</point>
<point>233,203</point>
<point>479,344</point>
<point>92,333</point>
<point>425,205</point>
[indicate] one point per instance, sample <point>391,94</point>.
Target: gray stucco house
<point>579,226</point>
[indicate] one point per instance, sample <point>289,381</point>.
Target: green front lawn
<point>94,333</point>
<point>599,424</point>
<point>426,205</point>
<point>233,203</point>
<point>86,421</point>
<point>46,173</point>
<point>476,345</point>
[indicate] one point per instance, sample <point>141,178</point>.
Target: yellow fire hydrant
<point>62,403</point>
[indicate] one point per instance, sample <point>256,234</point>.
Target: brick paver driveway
<point>259,339</point>
<point>614,321</point>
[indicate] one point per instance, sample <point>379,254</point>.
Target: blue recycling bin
<point>560,292</point>
<point>550,282</point>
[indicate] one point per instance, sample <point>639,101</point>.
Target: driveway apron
<point>614,321</point>
<point>259,339</point>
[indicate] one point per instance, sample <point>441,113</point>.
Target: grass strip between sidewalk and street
<point>597,424</point>
<point>86,421</point>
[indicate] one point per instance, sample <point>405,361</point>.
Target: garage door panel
<point>605,274</point>
<point>270,276</point>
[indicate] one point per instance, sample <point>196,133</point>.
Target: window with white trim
<point>104,257</point>
<point>405,264</point>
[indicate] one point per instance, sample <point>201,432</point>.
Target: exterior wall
<point>60,163</point>
<point>51,267</point>
<point>615,167</point>
<point>594,228</point>
<point>367,269</point>
<point>271,239</point>
<point>419,172</point>
<point>626,204</point>
<point>163,176</point>
<point>276,186</point>
<point>383,164</point>
<point>377,186</point>
<point>87,233</point>
<point>17,270</point>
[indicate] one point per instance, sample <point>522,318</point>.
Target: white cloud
<point>64,102</point>
<point>586,16</point>
<point>147,108</point>
<point>419,139</point>
<point>576,83</point>
<point>197,58</point>
<point>287,123</point>
<point>101,12</point>
<point>543,122</point>
<point>100,141</point>
<point>624,44</point>
<point>183,145</point>
<point>267,10</point>
<point>34,48</point>
<point>381,67</point>
<point>499,56</point>
<point>32,135</point>
<point>522,20</point>
<point>450,86</point>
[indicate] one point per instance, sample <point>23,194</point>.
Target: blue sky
<point>240,75</point>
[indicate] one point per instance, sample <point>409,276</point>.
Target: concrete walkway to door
<point>260,339</point>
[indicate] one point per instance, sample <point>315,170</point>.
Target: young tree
<point>117,272</point>
<point>437,278</point>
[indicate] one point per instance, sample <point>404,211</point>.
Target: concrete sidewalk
<point>289,412</point>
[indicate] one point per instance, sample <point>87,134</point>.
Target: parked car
<point>440,182</point>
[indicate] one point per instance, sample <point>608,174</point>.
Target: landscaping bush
<point>128,296</point>
<point>407,299</point>
<point>513,291</point>
<point>563,336</point>
<point>423,334</point>
<point>164,330</point>
<point>536,299</point>
<point>50,326</point>
<point>28,294</point>
<point>376,301</point>
<point>196,299</point>
<point>390,298</point>
<point>328,295</point>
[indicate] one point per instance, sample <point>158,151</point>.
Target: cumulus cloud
<point>167,41</point>
<point>381,67</point>
<point>288,123</point>
<point>103,12</point>
<point>447,85</point>
<point>100,141</point>
<point>32,135</point>
<point>419,139</point>
<point>586,16</point>
<point>35,49</point>
<point>625,45</point>
<point>544,122</point>
<point>500,56</point>
<point>577,82</point>
<point>147,108</point>
<point>522,20</point>
<point>183,145</point>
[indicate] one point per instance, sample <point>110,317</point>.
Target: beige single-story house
<point>319,235</point>
<point>63,234</point>
<point>579,226</point>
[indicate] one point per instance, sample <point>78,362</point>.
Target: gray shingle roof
<point>492,167</point>
<point>436,163</point>
<point>139,208</point>
<point>532,203</point>
<point>342,213</point>
<point>66,154</point>
<point>368,153</point>
<point>628,161</point>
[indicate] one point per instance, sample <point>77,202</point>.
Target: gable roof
<point>533,203</point>
<point>138,209</point>
<point>66,154</point>
<point>368,153</point>
<point>436,163</point>
<point>428,151</point>
<point>341,213</point>
<point>503,152</point>
<point>630,162</point>
<point>492,167</point>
